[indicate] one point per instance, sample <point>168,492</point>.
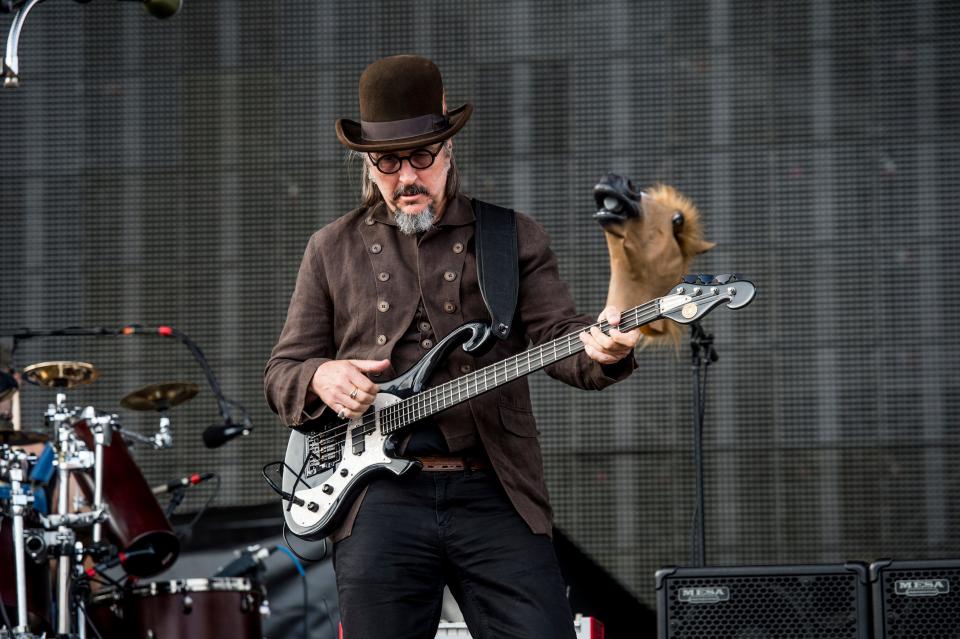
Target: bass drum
<point>183,609</point>
<point>136,520</point>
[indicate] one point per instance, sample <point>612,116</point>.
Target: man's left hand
<point>609,349</point>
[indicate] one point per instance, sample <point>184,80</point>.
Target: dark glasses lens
<point>418,159</point>
<point>421,159</point>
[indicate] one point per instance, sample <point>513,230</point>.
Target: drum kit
<point>105,530</point>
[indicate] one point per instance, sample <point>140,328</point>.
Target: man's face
<point>412,191</point>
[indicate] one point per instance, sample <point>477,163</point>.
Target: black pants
<point>413,535</point>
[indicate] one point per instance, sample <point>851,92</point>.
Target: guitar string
<point>399,414</point>
<point>630,320</point>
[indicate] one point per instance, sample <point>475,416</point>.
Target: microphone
<point>247,561</point>
<point>120,559</point>
<point>183,482</point>
<point>219,434</point>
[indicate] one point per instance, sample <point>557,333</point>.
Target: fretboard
<point>431,401</point>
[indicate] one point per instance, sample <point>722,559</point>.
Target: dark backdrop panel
<point>171,172</point>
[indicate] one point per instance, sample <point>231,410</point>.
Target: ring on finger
<point>353,395</point>
<point>342,413</point>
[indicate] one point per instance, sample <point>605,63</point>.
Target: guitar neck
<point>439,398</point>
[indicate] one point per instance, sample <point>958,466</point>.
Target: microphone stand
<point>702,355</point>
<point>224,405</point>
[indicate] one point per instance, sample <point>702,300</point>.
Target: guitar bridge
<point>325,451</point>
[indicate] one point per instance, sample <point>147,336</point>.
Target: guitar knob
<point>344,472</point>
<point>313,506</point>
<point>327,489</point>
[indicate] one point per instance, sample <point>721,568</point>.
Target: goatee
<point>413,223</point>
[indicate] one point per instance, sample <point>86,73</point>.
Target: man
<point>376,289</point>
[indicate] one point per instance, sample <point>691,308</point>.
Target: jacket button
<point>424,326</point>
<point>383,276</point>
<point>381,339</point>
<point>369,221</point>
<point>449,307</point>
<point>449,276</point>
<point>458,247</point>
<point>466,368</point>
<point>375,248</point>
<point>427,344</point>
<point>383,306</point>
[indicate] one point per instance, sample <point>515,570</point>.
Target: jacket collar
<point>458,213</point>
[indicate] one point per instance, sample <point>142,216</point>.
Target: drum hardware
<point>101,426</point>
<point>14,462</point>
<point>160,398</point>
<point>35,543</point>
<point>82,450</point>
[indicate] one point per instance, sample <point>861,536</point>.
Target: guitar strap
<point>498,267</point>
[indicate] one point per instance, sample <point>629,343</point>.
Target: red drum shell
<point>196,608</point>
<point>136,520</point>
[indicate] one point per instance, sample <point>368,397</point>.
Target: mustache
<point>413,189</point>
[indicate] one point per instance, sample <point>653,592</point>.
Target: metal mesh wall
<point>171,172</point>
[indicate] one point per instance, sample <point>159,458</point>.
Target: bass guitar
<point>327,465</point>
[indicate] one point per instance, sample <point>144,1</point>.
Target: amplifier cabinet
<point>916,599</point>
<point>764,602</point>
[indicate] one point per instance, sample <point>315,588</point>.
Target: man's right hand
<point>342,385</point>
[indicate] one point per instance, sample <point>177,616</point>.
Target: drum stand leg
<point>64,537</point>
<point>101,430</point>
<point>19,501</point>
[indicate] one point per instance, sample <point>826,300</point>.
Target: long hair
<point>370,194</point>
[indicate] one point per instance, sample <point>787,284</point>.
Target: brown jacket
<point>356,294</point>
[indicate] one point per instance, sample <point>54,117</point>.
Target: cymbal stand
<point>161,439</point>
<point>15,461</point>
<point>71,455</point>
<point>102,429</point>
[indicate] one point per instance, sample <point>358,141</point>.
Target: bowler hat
<point>401,107</point>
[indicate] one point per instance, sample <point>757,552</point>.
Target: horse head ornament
<point>652,237</point>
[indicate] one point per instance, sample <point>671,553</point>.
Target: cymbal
<point>60,374</point>
<point>8,385</point>
<point>21,437</point>
<point>159,396</point>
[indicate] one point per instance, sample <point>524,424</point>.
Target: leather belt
<point>434,464</point>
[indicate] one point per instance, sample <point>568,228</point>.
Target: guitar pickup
<point>358,441</point>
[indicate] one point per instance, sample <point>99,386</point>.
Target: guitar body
<point>365,453</point>
<point>328,464</point>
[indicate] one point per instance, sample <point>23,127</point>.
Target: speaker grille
<point>921,603</point>
<point>782,606</point>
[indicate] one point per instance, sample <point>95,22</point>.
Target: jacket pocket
<point>519,421</point>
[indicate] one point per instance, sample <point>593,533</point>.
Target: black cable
<point>86,618</point>
<point>223,403</point>
<point>303,578</point>
<point>187,531</point>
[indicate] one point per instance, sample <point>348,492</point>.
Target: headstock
<point>699,294</point>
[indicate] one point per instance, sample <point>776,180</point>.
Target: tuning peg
<point>726,278</point>
<point>689,279</point>
<point>704,279</point>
